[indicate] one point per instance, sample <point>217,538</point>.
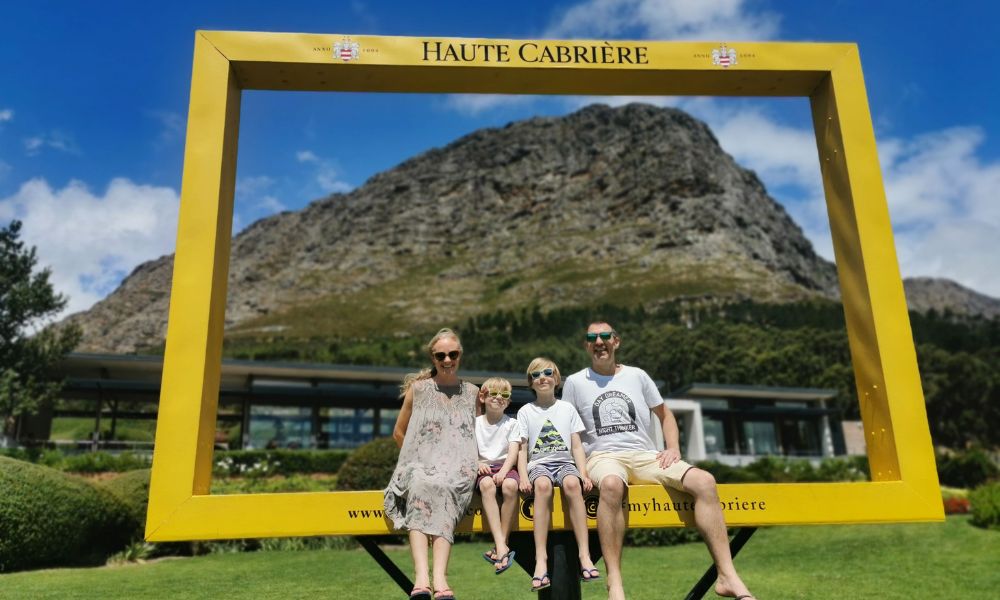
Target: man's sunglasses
<point>536,374</point>
<point>604,335</point>
<point>499,394</point>
<point>453,355</point>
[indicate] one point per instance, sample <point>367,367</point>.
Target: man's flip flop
<point>420,593</point>
<point>509,557</point>
<point>589,574</point>
<point>542,584</point>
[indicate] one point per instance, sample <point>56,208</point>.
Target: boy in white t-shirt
<point>498,437</point>
<point>552,454</point>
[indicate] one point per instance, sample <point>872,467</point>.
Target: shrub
<point>985,505</point>
<point>370,466</point>
<point>278,462</point>
<point>132,488</point>
<point>104,462</point>
<point>966,469</point>
<point>48,518</point>
<point>661,536</point>
<point>956,505</point>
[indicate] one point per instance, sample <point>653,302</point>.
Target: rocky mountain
<point>625,205</point>
<point>924,294</point>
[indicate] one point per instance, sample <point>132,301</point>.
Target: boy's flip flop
<point>509,557</point>
<point>542,584</point>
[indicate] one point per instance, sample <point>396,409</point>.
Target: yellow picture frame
<point>904,485</point>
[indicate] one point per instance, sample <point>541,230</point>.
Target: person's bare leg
<point>711,523</point>
<point>442,551</point>
<point>418,548</point>
<point>542,516</point>
<point>507,510</point>
<point>611,530</point>
<point>573,492</point>
<point>492,513</point>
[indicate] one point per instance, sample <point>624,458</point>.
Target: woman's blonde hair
<point>543,363</point>
<point>427,373</point>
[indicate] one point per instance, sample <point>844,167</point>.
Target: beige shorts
<point>635,467</point>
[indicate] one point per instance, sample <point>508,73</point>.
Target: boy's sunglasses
<point>453,355</point>
<point>604,335</point>
<point>536,374</point>
<point>499,394</point>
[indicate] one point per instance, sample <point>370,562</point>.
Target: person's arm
<point>671,436</point>
<point>403,420</point>
<point>522,467</point>
<point>513,451</point>
<point>581,462</point>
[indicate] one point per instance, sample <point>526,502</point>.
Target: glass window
<point>760,437</point>
<point>800,437</point>
<point>715,436</point>
<point>280,427</point>
<point>346,427</point>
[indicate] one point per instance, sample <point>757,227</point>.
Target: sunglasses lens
<point>454,354</point>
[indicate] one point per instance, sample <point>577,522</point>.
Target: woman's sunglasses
<point>604,335</point>
<point>499,394</point>
<point>536,374</point>
<point>453,355</point>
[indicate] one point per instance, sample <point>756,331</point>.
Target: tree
<point>27,350</point>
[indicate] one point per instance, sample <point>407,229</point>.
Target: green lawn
<point>942,560</point>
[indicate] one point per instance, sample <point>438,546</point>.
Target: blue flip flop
<point>589,575</point>
<point>541,585</point>
<point>509,557</point>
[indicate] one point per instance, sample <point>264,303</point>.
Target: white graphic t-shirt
<point>548,431</point>
<point>615,409</point>
<point>493,440</point>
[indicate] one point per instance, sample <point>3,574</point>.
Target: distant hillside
<point>924,294</point>
<point>624,206</point>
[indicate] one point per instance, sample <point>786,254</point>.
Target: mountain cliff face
<point>924,294</point>
<point>622,205</point>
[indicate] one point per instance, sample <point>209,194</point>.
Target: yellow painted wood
<point>905,486</point>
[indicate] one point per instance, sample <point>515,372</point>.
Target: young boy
<point>552,454</point>
<point>498,438</point>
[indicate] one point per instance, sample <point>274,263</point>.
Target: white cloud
<point>4,170</point>
<point>715,20</point>
<point>941,194</point>
<point>721,20</point>
<point>6,114</point>
<point>172,125</point>
<point>476,104</point>
<point>92,241</point>
<point>55,140</point>
<point>327,174</point>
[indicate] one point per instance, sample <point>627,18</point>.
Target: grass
<point>937,560</point>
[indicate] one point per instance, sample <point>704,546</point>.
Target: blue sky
<point>93,104</point>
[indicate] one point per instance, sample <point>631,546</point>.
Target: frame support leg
<point>735,545</point>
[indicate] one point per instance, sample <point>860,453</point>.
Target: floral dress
<point>431,487</point>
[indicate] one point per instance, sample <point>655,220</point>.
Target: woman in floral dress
<point>431,487</point>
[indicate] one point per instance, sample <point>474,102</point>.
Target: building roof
<point>722,390</point>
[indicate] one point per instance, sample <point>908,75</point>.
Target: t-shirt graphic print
<point>549,441</point>
<point>614,412</point>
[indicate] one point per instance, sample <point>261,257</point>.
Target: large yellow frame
<point>904,484</point>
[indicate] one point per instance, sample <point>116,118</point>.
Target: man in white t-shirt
<point>615,403</point>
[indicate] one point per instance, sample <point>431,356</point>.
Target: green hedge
<point>370,466</point>
<point>48,518</point>
<point>132,488</point>
<point>782,470</point>
<point>985,504</point>
<point>966,469</point>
